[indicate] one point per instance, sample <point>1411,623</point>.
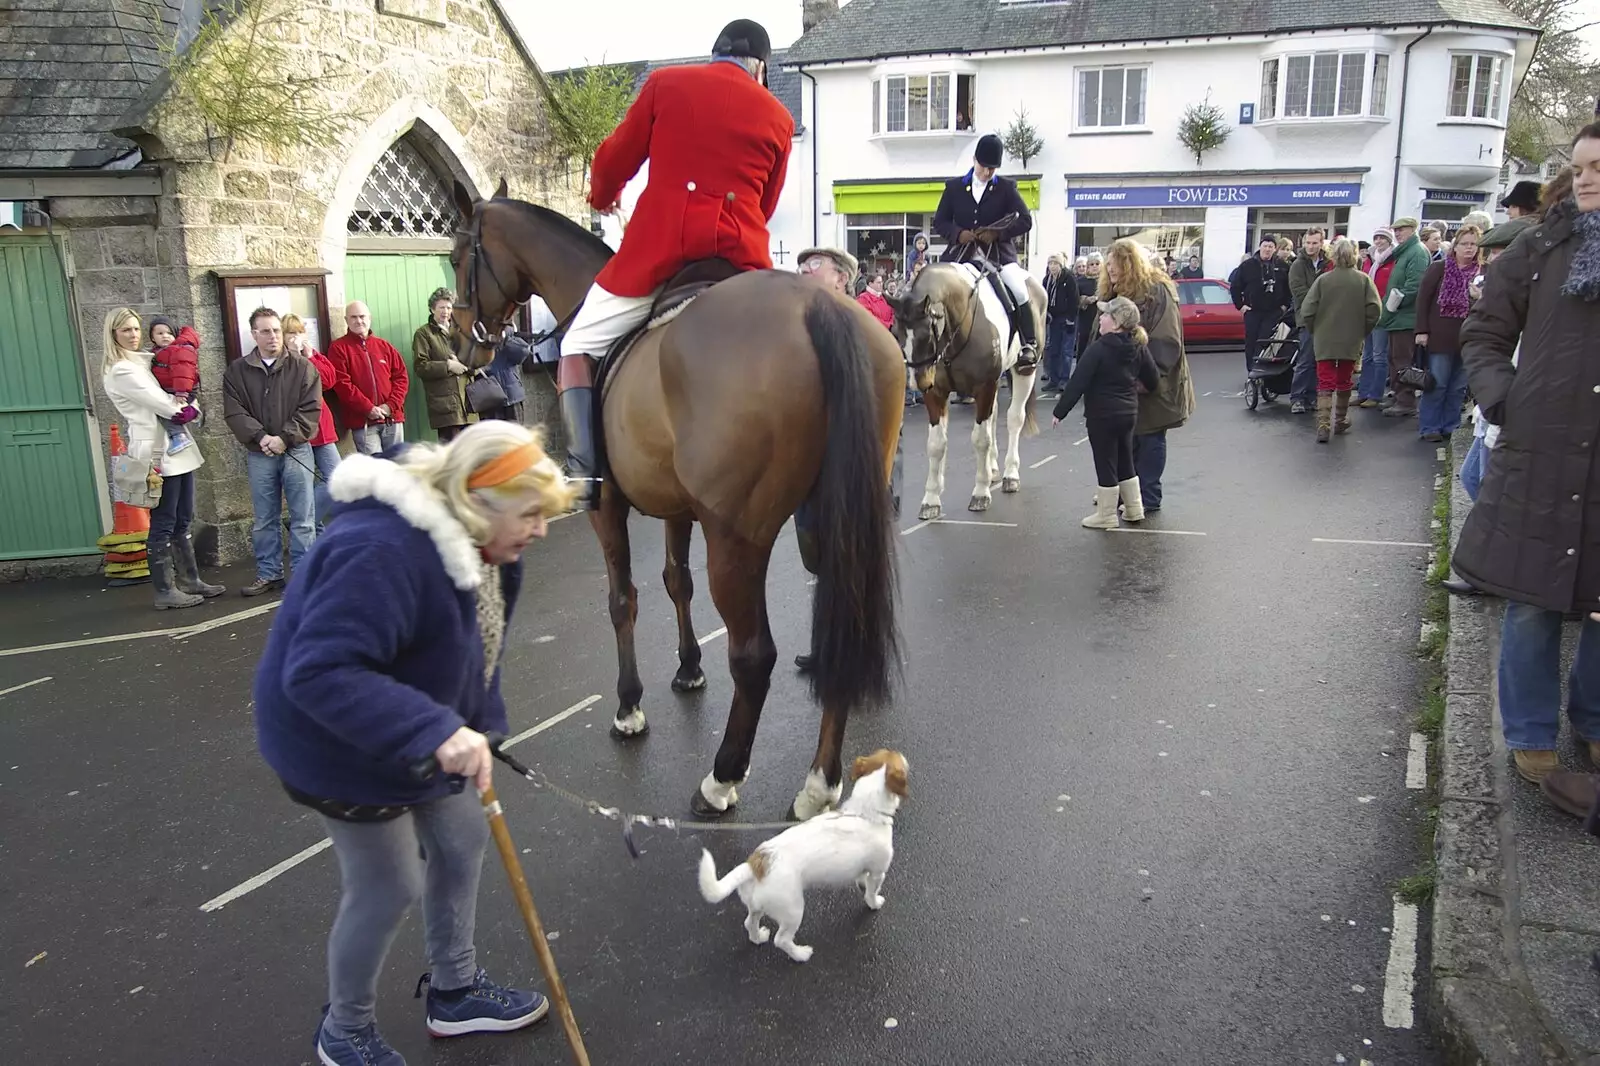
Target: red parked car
<point>1209,317</point>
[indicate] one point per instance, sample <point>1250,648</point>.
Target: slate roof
<point>784,84</point>
<point>876,29</point>
<point>69,69</point>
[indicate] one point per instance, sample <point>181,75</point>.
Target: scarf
<point>1583,276</point>
<point>1453,301</point>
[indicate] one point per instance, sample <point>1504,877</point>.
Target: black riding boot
<point>1022,318</point>
<point>577,412</point>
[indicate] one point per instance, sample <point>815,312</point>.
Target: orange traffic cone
<point>125,517</point>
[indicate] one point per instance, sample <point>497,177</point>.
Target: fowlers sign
<point>1315,195</point>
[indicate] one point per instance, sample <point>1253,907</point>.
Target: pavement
<point>1517,905</point>
<point>1158,795</point>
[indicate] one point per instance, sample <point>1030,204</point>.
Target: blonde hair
<point>115,353</point>
<point>446,468</point>
<point>1137,277</point>
<point>293,324</point>
<point>1469,231</point>
<point>1345,253</point>
<point>1480,220</point>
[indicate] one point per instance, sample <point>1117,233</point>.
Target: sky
<point>566,34</point>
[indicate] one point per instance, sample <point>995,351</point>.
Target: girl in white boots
<point>1107,379</point>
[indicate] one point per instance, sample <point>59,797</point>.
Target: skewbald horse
<point>765,391</point>
<point>960,343</point>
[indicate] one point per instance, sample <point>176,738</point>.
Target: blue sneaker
<point>483,1007</point>
<point>365,1048</point>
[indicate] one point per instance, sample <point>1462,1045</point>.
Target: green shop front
<point>881,217</point>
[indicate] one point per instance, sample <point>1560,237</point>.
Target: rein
<point>481,335</point>
<point>944,353</point>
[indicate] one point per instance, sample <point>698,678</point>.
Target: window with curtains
<point>922,103</point>
<point>1477,87</point>
<point>1324,85</point>
<point>1111,97</point>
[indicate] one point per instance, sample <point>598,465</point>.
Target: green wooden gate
<point>395,289</point>
<point>47,469</point>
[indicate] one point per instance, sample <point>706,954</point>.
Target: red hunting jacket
<point>718,145</point>
<point>370,374</point>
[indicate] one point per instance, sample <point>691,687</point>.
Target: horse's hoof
<point>681,684</point>
<point>979,503</point>
<point>704,811</point>
<point>622,734</point>
<point>630,726</point>
<point>929,512</point>
<point>1011,484</point>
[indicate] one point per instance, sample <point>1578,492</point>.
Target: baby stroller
<point>1273,374</point>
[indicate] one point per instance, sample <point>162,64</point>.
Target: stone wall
<point>445,71</point>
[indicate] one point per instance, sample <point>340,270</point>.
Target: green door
<point>395,289</point>
<point>47,470</point>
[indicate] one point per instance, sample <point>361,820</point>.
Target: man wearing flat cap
<point>1399,321</point>
<point>836,269</point>
<point>718,145</point>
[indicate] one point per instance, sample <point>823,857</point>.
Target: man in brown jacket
<point>272,401</point>
<point>1531,536</point>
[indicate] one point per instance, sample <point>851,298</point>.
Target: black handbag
<point>484,394</point>
<point>1417,375</point>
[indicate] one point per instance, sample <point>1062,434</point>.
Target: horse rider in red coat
<point>718,145</point>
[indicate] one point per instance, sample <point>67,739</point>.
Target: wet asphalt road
<point>1228,714</point>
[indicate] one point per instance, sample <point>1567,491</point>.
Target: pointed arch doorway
<point>399,251</point>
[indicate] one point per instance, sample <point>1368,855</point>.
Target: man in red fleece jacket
<point>372,383</point>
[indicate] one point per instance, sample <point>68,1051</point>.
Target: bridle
<point>943,353</point>
<point>468,301</point>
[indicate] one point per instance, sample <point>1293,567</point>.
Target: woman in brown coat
<point>1531,537</point>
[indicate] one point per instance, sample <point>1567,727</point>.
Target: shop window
<point>1112,97</point>
<point>1476,83</point>
<point>1292,223</point>
<point>1178,232</point>
<point>1323,85</point>
<point>880,242</point>
<point>922,103</point>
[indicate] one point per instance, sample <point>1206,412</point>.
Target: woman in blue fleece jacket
<point>385,651</point>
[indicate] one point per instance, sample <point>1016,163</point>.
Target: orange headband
<point>503,468</point>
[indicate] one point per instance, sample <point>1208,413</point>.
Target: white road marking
<point>225,620</point>
<point>913,529</point>
<point>1205,394</point>
<point>1168,532</point>
<point>1078,442</point>
<point>264,876</point>
<point>1372,543</point>
<point>713,635</point>
<point>178,632</point>
<point>25,684</point>
<point>553,720</point>
<point>972,522</point>
<point>267,875</point>
<point>1399,979</point>
<point>1439,452</point>
<point>1041,462</point>
<point>1417,762</point>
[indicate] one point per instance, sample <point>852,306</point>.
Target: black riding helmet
<point>990,151</point>
<point>745,39</point>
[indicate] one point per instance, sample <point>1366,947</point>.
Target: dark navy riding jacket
<point>958,211</point>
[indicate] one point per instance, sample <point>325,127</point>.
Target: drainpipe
<point>815,223</point>
<point>1400,132</point>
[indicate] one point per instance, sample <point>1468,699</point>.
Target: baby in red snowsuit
<point>176,366</point>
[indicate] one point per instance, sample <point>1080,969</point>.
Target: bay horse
<point>764,391</point>
<point>960,342</point>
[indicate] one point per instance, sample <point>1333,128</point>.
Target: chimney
<point>815,12</point>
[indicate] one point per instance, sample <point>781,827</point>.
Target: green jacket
<point>431,352</point>
<point>1340,310</point>
<point>1303,272</point>
<point>1411,261</point>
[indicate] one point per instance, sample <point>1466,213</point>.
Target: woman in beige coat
<point>1340,309</point>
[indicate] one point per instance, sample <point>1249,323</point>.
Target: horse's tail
<point>854,637</point>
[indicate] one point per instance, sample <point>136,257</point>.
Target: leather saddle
<point>680,289</point>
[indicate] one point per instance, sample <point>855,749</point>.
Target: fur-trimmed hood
<point>364,477</point>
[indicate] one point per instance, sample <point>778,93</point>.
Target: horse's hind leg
<point>825,782</point>
<point>610,524</point>
<point>738,572</point>
<point>680,586</point>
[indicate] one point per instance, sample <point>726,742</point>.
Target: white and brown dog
<point>853,844</point>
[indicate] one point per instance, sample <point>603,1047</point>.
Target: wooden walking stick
<point>530,918</point>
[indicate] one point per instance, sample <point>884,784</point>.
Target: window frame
<point>1276,109</point>
<point>1497,98</point>
<point>885,86</point>
<point>1078,74</point>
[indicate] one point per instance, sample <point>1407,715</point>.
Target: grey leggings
<point>435,853</point>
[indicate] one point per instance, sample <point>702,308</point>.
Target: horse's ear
<point>464,201</point>
<point>502,191</point>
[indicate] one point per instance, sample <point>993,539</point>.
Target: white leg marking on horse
<point>938,445</point>
<point>631,723</point>
<point>816,796</point>
<point>717,794</point>
<point>1021,390</point>
<point>982,445</point>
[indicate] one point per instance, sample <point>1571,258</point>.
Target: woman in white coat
<point>126,375</point>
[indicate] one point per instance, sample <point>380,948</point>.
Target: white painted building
<point>1345,114</point>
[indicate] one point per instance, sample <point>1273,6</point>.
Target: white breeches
<point>1016,279</point>
<point>602,320</point>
